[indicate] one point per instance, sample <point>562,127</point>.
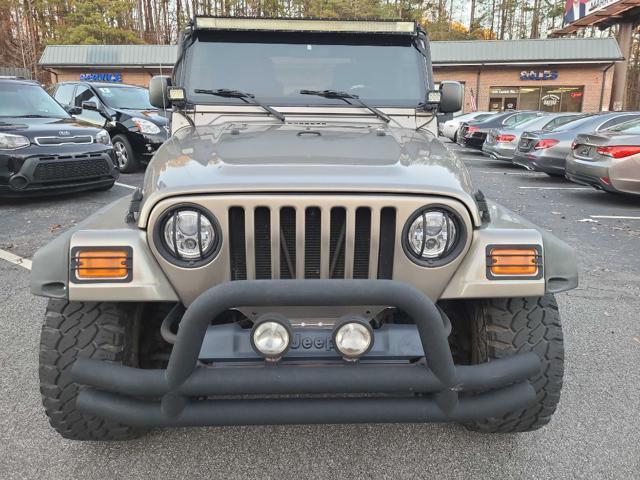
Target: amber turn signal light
<point>514,261</point>
<point>96,264</point>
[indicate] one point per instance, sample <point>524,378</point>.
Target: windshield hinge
<point>134,206</point>
<point>483,207</point>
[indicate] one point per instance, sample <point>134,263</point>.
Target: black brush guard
<point>130,395</point>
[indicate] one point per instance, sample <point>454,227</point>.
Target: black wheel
<point>127,160</point>
<point>105,331</point>
<point>505,326</point>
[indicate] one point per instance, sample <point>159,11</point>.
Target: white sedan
<point>449,128</point>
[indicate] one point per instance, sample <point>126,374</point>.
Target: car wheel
<point>506,326</point>
<point>126,158</point>
<point>104,331</point>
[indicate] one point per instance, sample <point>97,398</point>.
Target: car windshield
<point>632,127</point>
<point>529,122</point>
<point>559,121</point>
<point>573,124</point>
<point>126,97</point>
<point>28,100</point>
<point>381,75</point>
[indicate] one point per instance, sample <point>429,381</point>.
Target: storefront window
<point>548,99</point>
<point>529,98</point>
<point>572,99</point>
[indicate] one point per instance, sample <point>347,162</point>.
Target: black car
<point>137,129</point>
<point>44,149</point>
<point>474,133</point>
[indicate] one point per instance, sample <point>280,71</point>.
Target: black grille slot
<point>387,242</point>
<point>81,139</point>
<point>336,242</point>
<point>262,231</point>
<point>68,170</point>
<point>288,243</point>
<point>312,243</point>
<point>362,242</point>
<point>237,251</point>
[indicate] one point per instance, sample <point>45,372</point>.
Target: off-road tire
<point>132,164</point>
<point>104,331</point>
<point>506,326</point>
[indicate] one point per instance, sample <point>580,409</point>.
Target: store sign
<point>102,77</point>
<point>550,100</point>
<point>576,9</point>
<point>539,75</point>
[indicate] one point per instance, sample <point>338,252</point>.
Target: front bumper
<point>69,169</point>
<point>146,144</point>
<point>462,393</point>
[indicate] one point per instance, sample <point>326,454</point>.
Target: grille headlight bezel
<point>170,252</point>
<point>451,251</point>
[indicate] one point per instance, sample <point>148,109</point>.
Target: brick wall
<point>589,76</point>
<point>133,76</point>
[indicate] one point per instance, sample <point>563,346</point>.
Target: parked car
<point>609,160</point>
<point>136,128</point>
<point>473,134</point>
<point>547,151</point>
<point>328,269</point>
<point>449,128</point>
<point>501,142</point>
<point>44,149</point>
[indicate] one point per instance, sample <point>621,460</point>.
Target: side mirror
<point>158,96</point>
<point>451,97</point>
<point>73,110</point>
<point>90,106</point>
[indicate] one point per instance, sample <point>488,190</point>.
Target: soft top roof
<point>305,25</point>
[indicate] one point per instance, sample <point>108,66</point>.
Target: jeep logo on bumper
<point>317,341</point>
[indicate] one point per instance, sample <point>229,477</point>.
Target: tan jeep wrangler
<point>304,250</point>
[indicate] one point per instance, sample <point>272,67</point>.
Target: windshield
<point>573,124</point>
<point>632,127</point>
<point>381,75</point>
<point>126,97</point>
<point>28,100</point>
<point>529,122</point>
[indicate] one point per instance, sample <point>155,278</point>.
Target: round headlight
<point>271,336</point>
<point>432,235</point>
<point>189,235</point>
<point>352,337</point>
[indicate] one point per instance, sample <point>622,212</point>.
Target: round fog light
<point>352,337</point>
<point>271,336</point>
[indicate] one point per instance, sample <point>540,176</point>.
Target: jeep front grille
<point>311,242</point>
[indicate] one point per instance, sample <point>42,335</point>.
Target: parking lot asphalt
<point>595,433</point>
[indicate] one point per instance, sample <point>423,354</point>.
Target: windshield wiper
<point>346,97</point>
<point>247,97</point>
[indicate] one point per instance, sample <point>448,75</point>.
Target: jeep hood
<point>304,157</point>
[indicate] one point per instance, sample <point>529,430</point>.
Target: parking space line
<point>484,160</point>
<point>556,188</point>
<point>125,185</point>
<point>534,174</point>
<point>615,217</point>
<point>15,259</point>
